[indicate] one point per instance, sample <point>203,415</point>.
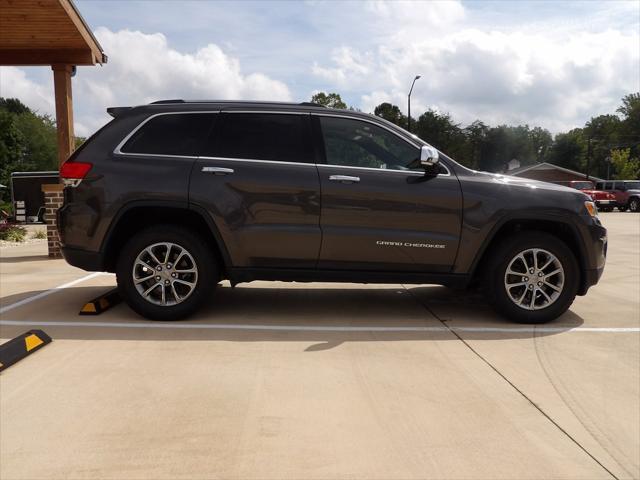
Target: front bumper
<point>596,244</point>
<point>606,203</point>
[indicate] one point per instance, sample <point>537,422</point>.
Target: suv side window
<point>608,186</point>
<point>171,134</point>
<point>354,143</point>
<point>263,136</point>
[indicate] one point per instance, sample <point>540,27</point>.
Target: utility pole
<point>588,155</point>
<point>409,104</point>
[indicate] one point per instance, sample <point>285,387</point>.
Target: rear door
<point>258,181</point>
<point>380,212</point>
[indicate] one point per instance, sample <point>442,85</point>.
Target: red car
<point>605,201</point>
<point>627,193</point>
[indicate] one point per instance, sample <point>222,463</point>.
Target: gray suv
<point>176,196</point>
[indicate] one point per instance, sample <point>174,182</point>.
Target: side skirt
<point>240,275</point>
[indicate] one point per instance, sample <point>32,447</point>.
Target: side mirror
<point>428,156</point>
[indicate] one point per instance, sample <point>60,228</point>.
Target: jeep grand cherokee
<point>175,196</point>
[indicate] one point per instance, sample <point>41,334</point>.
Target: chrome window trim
<point>392,170</point>
<point>418,146</point>
<point>255,160</point>
<point>118,149</point>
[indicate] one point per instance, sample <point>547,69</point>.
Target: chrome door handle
<point>344,179</point>
<point>218,170</point>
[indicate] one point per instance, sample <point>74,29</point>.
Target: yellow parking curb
<point>101,303</point>
<point>15,350</point>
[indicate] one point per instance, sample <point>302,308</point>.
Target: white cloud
<point>557,76</point>
<point>143,68</point>
<point>553,64</point>
<point>15,83</point>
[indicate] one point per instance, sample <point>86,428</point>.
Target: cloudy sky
<point>547,63</point>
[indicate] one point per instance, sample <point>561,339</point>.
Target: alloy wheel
<point>534,279</point>
<point>165,274</point>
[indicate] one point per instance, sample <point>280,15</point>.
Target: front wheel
<point>166,272</point>
<point>634,205</point>
<point>533,277</point>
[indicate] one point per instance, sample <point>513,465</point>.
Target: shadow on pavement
<point>280,312</point>
<point>24,258</point>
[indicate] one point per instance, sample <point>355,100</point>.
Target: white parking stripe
<point>316,328</point>
<point>46,293</point>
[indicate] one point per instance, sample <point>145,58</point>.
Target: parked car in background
<point>605,201</point>
<point>627,193</point>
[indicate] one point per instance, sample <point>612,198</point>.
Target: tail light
<point>72,173</point>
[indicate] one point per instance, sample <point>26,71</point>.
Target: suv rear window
<point>263,136</point>
<point>171,134</point>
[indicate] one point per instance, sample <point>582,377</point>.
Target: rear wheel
<point>533,277</point>
<point>165,272</point>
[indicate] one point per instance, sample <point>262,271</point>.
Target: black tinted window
<point>171,134</point>
<point>263,136</point>
<point>361,144</point>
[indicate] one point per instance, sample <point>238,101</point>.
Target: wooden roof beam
<point>48,57</point>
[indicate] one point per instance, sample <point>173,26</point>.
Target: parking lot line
<point>46,293</point>
<point>318,328</point>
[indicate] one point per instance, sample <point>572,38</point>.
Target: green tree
<point>630,109</point>
<point>569,150</point>
<point>541,142</point>
<point>475,144</point>
<point>27,141</point>
<point>391,113</point>
<point>11,150</point>
<point>626,168</point>
<point>329,100</point>
<point>439,130</point>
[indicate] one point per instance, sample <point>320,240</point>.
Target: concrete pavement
<point>331,386</point>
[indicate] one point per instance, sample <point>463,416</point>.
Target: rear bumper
<point>84,259</point>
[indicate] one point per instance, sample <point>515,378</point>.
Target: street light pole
<point>409,104</point>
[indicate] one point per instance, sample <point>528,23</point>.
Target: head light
<point>591,208</point>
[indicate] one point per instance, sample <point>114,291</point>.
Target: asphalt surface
<point>277,380</point>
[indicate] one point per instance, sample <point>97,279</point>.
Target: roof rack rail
<point>177,100</point>
<point>311,104</point>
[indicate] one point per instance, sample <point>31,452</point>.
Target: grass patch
<point>13,233</point>
<point>40,234</point>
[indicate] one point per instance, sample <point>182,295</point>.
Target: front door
<point>258,180</point>
<point>380,212</point>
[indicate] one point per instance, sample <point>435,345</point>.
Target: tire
<point>634,204</point>
<point>186,285</point>
<point>505,255</point>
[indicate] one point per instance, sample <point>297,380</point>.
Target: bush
<point>6,207</point>
<point>40,234</point>
<point>12,233</point>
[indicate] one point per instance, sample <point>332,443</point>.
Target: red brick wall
<point>52,202</point>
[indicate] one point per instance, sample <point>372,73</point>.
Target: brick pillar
<point>52,202</point>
